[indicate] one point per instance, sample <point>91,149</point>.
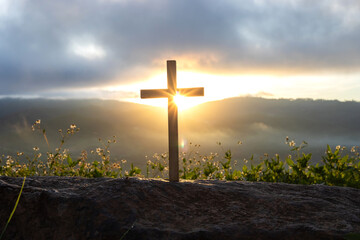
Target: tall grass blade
<point>13,211</point>
<point>122,237</point>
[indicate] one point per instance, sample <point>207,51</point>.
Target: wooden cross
<point>170,93</point>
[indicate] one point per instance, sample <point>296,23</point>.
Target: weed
<point>13,211</point>
<point>335,168</point>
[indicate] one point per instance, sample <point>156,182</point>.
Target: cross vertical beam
<point>170,93</point>
<point>173,123</point>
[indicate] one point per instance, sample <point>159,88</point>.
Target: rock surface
<point>78,208</point>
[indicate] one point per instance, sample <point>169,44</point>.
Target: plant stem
<point>13,211</point>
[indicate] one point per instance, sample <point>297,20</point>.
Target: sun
<point>184,102</point>
<point>180,100</point>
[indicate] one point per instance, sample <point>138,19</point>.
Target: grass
<point>13,211</point>
<point>337,168</point>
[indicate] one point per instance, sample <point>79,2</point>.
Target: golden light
<point>183,102</point>
<point>217,87</point>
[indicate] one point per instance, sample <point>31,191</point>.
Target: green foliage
<point>340,170</point>
<point>134,171</point>
<point>336,168</point>
<point>59,162</point>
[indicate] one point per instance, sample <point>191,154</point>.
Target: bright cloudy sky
<point>113,48</point>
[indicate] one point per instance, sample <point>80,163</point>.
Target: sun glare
<point>216,87</point>
<point>183,102</point>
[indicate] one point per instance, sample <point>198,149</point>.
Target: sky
<point>111,49</point>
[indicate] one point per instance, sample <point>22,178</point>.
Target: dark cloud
<point>231,37</point>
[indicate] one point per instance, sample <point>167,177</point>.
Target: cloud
<point>74,44</point>
<point>262,94</point>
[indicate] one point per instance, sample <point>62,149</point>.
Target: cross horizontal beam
<point>165,93</point>
<point>155,93</point>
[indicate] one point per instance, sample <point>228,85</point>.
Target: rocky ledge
<point>78,208</point>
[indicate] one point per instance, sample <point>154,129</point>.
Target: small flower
<point>19,153</point>
<point>240,142</point>
<point>38,121</point>
<point>353,149</point>
<point>98,150</point>
<point>338,147</point>
<point>292,143</point>
<point>36,149</point>
<point>123,161</point>
<point>9,162</point>
<point>72,126</point>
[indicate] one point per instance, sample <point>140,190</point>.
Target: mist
<point>260,124</point>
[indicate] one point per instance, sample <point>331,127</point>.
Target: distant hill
<point>261,124</point>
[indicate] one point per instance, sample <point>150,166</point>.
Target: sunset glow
<point>239,49</point>
<point>184,102</point>
<point>219,87</point>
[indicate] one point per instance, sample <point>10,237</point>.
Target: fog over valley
<point>260,124</point>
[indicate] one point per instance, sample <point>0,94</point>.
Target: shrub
<point>336,168</point>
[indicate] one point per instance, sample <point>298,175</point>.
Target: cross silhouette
<point>170,93</point>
